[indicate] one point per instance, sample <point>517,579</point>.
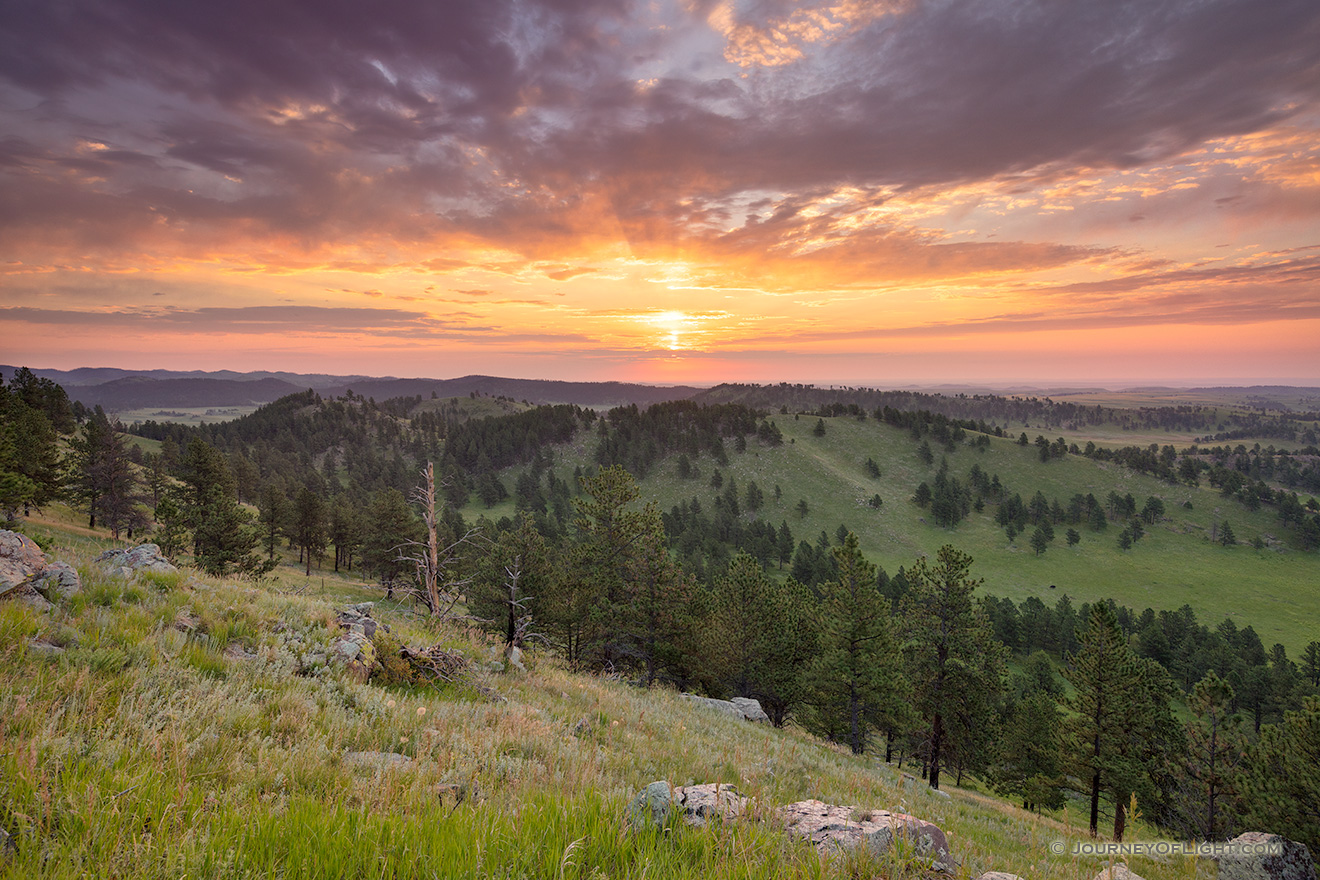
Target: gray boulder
<point>57,581</point>
<point>143,557</point>
<point>21,560</point>
<point>835,828</point>
<point>741,708</point>
<point>751,709</point>
<point>998,875</point>
<point>1258,855</point>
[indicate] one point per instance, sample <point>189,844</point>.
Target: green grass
<point>147,751</point>
<point>1276,590</point>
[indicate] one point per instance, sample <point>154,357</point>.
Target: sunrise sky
<point>878,193</point>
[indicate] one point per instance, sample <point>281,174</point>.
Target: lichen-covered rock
<point>652,805</point>
<point>1118,871</point>
<point>57,581</point>
<point>143,557</point>
<point>21,560</point>
<point>696,804</point>
<point>998,875</point>
<point>831,827</point>
<point>1257,855</point>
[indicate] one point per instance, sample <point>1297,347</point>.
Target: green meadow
<point>1276,589</point>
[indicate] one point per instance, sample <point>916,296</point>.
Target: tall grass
<point>144,750</point>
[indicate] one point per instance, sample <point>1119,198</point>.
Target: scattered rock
<point>828,826</point>
<point>696,804</point>
<point>700,803</point>
<point>1119,871</point>
<point>7,846</point>
<point>998,875</point>
<point>21,560</point>
<point>143,557</point>
<point>357,619</point>
<point>1293,861</point>
<point>357,652</point>
<point>31,597</point>
<point>514,656</point>
<point>41,646</point>
<point>741,708</point>
<point>57,581</point>
<point>355,648</point>
<point>379,760</point>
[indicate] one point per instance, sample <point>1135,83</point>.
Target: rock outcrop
<point>742,708</point>
<point>127,563</point>
<point>1263,856</point>
<point>832,827</point>
<point>696,804</point>
<point>21,561</point>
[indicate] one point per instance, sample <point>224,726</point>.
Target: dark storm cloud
<point>524,124</point>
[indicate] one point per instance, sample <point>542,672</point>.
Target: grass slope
<point>175,736</point>
<point>1276,590</point>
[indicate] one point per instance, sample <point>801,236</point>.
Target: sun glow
<point>673,326</point>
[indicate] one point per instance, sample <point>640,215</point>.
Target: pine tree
<point>390,527</point>
<point>1031,764</point>
<point>86,456</point>
<point>273,515</point>
<point>1279,782</point>
<point>514,580</point>
<point>854,683</point>
<point>1122,723</point>
<point>1215,746</point>
<point>952,658</point>
<point>310,525</point>
<point>757,637</point>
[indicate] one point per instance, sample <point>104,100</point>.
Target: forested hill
<point>1217,423</point>
<point>535,391</point>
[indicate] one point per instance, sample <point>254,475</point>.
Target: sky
<point>679,191</point>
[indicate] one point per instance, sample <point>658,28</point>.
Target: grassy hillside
<point>186,727</point>
<point>1276,590</point>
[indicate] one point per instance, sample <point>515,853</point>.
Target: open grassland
<point>471,407</point>
<point>1276,590</point>
<point>186,729</point>
<point>186,415</point>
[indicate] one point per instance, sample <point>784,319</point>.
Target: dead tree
<point>430,560</point>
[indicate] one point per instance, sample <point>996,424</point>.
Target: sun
<point>673,325</point>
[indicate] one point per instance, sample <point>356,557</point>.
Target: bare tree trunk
<point>432,543</point>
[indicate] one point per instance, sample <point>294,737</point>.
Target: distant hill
<point>535,391</point>
<point>116,389</point>
<point>135,392</point>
